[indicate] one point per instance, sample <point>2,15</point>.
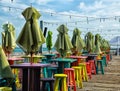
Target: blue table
<point>49,56</point>
<point>63,63</point>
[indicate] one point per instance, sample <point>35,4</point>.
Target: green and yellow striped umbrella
<point>49,41</point>
<point>89,40</point>
<point>97,44</point>
<point>5,70</point>
<point>63,43</point>
<point>8,38</point>
<point>31,37</point>
<point>77,41</point>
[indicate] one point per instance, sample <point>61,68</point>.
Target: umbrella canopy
<point>97,44</point>
<point>8,38</point>
<point>105,45</point>
<point>77,41</point>
<point>63,43</point>
<point>31,37</point>
<point>5,70</point>
<point>89,40</point>
<point>49,41</point>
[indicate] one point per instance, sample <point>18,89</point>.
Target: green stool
<point>99,66</point>
<point>104,60</point>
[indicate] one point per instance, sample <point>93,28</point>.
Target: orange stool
<point>88,67</point>
<point>70,78</point>
<point>93,67</point>
<point>108,57</point>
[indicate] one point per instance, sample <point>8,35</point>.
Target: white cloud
<point>90,8</point>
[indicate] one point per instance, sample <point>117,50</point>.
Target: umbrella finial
<point>31,4</point>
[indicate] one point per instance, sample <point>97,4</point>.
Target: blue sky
<point>103,15</point>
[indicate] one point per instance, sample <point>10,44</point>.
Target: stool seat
<point>60,75</point>
<point>5,89</point>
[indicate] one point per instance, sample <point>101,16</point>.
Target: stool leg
<point>64,85</point>
<point>56,84</point>
<point>51,86</point>
<point>80,79</point>
<point>102,68</point>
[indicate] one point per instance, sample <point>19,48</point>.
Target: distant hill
<point>115,41</point>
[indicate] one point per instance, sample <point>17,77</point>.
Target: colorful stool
<point>84,71</point>
<point>88,67</point>
<point>78,76</point>
<point>93,67</point>
<point>49,82</point>
<point>104,60</point>
<point>5,89</point>
<point>99,66</point>
<point>60,78</point>
<point>70,78</point>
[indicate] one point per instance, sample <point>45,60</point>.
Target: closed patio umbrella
<point>89,40</point>
<point>77,41</point>
<point>8,38</point>
<point>49,41</point>
<point>63,43</point>
<point>31,37</point>
<point>97,44</point>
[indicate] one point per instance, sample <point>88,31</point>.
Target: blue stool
<point>47,84</point>
<point>104,60</point>
<point>99,66</point>
<point>48,80</point>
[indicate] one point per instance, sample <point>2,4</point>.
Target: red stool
<point>108,57</point>
<point>70,78</point>
<point>88,67</point>
<point>93,67</point>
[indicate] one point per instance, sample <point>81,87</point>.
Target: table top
<point>35,56</point>
<point>89,55</point>
<point>29,65</point>
<point>49,54</point>
<point>15,58</point>
<point>63,60</point>
<point>82,57</point>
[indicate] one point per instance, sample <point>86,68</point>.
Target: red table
<point>12,59</point>
<point>31,75</point>
<point>78,59</point>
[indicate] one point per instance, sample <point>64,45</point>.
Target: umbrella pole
<point>31,59</point>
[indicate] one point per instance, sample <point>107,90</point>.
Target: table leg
<point>25,80</point>
<point>34,80</point>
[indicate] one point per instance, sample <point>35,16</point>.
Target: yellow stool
<point>63,78</point>
<point>84,71</point>
<point>17,82</point>
<point>78,76</point>
<point>5,89</point>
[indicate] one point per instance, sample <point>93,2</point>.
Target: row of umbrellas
<point>31,37</point>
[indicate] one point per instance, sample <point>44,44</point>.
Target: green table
<point>63,63</point>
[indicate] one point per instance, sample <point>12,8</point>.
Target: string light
<point>12,1</point>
